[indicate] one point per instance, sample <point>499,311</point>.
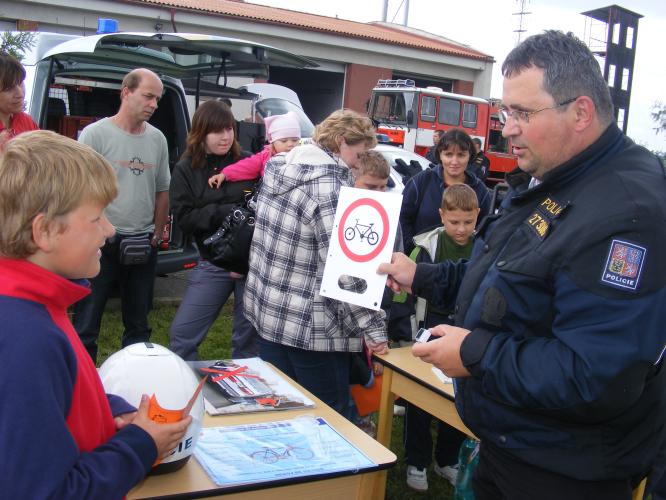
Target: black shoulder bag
<point>229,246</point>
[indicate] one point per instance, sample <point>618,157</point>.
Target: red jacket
<point>19,123</point>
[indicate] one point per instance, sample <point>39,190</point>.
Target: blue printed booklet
<point>273,451</point>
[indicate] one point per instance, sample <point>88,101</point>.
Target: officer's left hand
<point>444,352</point>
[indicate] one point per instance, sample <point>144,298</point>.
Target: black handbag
<point>229,246</point>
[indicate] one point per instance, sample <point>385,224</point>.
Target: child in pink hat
<point>283,133</point>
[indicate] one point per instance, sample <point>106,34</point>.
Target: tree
<point>659,116</point>
<point>14,43</point>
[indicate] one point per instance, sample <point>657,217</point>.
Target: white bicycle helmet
<point>147,368</point>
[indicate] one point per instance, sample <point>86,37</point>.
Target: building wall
<point>359,82</point>
<point>463,87</point>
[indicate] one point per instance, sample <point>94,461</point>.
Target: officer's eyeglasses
<point>524,116</point>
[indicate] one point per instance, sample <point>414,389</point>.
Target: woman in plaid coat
<point>307,336</point>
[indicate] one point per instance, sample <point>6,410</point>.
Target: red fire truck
<point>409,115</point>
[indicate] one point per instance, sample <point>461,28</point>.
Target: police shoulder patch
<point>624,265</point>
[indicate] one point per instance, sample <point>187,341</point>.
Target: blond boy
<point>62,437</point>
<point>372,171</point>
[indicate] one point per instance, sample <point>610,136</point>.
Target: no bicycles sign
<point>360,241</point>
<point>363,236</point>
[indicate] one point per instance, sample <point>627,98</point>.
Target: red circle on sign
<point>341,228</point>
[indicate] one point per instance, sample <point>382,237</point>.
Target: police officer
<point>560,311</point>
<point>431,155</point>
<point>480,163</point>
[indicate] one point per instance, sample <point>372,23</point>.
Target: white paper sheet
<point>441,376</point>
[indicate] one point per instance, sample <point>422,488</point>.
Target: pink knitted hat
<point>282,126</point>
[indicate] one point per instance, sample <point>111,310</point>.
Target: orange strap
<point>226,374</point>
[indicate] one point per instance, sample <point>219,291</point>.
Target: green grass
<point>218,346</point>
<point>396,489</point>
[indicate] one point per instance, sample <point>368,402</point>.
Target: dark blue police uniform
<point>565,298</point>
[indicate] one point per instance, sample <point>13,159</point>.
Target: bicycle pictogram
<point>269,455</point>
<point>364,232</point>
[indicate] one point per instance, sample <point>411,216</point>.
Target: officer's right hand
<point>166,436</point>
<point>400,272</point>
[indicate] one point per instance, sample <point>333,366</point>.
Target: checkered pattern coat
<point>295,212</point>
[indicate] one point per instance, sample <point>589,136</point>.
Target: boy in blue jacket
<point>62,436</point>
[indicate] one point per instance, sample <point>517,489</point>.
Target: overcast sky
<point>488,25</point>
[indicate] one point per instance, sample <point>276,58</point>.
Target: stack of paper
<point>246,385</point>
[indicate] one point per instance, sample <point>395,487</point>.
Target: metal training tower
<point>617,52</point>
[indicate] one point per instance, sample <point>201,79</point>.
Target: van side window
<point>57,108</point>
<point>449,111</point>
<point>469,115</point>
<point>428,108</point>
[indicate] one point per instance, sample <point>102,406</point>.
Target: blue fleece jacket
<point>56,425</point>
<point>422,199</point>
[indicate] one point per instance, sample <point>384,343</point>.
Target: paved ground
<point>168,290</point>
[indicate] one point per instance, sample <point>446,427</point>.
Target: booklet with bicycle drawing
<point>277,451</point>
<point>246,385</point>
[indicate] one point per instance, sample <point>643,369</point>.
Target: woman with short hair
<point>422,195</point>
<point>13,121</point>
<point>307,336</point>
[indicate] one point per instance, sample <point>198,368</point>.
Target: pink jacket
<point>248,168</point>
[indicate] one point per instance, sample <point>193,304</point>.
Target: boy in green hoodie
<point>452,241</point>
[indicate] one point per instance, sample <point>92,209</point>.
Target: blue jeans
<point>136,283</point>
<point>324,374</point>
<point>208,289</point>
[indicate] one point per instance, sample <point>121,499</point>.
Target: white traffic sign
<point>363,237</point>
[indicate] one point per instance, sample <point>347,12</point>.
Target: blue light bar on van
<point>396,83</point>
<point>107,26</point>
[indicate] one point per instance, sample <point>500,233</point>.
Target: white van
<point>265,99</point>
<point>72,81</point>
